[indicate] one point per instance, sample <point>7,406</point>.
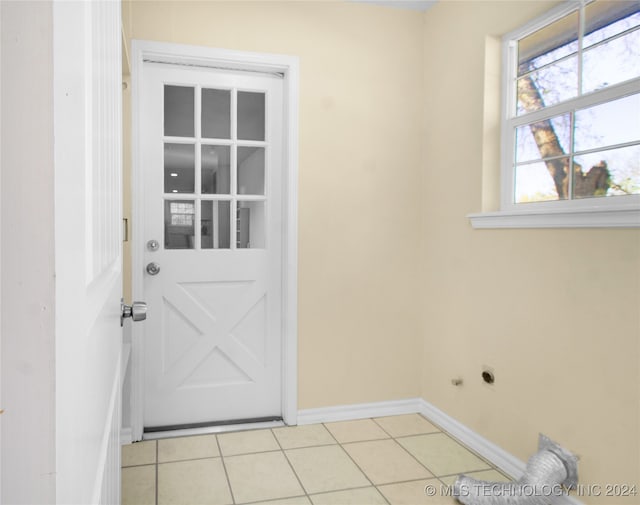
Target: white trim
<point>288,67</point>
<point>615,218</point>
<point>497,456</point>
<point>137,286</point>
<point>359,411</point>
<point>126,436</point>
<point>290,248</point>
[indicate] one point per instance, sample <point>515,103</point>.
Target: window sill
<point>583,218</point>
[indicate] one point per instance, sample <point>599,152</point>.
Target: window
<point>571,123</point>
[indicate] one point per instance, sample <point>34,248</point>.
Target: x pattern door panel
<point>222,322</point>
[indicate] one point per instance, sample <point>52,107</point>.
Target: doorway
<point>214,236</point>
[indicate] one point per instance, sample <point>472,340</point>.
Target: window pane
<point>251,170</point>
<point>216,225</point>
<point>608,173</point>
<point>179,217</point>
<point>216,170</point>
<point>178,111</point>
<point>549,44</point>
<point>250,115</point>
<point>611,123</point>
<point>179,168</point>
<point>534,183</point>
<point>216,113</point>
<point>607,19</point>
<point>543,139</point>
<point>548,86</point>
<point>250,225</point>
<point>611,63</point>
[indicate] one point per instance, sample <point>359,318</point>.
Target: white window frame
<point>617,212</point>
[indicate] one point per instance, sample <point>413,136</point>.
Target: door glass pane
<point>216,225</point>
<point>179,216</point>
<point>178,111</point>
<point>250,219</point>
<point>179,168</point>
<point>250,115</point>
<point>251,170</point>
<point>216,170</point>
<point>216,113</point>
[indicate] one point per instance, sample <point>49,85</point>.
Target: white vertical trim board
<point>288,67</point>
<point>290,247</point>
<point>497,456</point>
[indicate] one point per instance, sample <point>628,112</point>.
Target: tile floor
<point>387,460</point>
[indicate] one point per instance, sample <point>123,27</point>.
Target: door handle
<point>137,311</point>
<point>153,268</point>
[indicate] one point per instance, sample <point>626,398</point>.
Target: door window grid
<point>240,200</point>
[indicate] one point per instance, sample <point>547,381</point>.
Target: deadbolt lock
<point>153,268</point>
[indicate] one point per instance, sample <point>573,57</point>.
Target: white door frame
<point>287,66</point>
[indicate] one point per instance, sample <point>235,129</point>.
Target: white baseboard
<point>497,456</point>
<point>359,411</point>
<point>126,436</point>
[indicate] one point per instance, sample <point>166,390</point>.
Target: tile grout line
<point>442,430</point>
<point>415,458</point>
<point>349,489</point>
<point>224,467</point>
<point>439,477</point>
<point>381,427</point>
<point>304,489</point>
<point>433,476</point>
<point>356,464</point>
<point>342,445</point>
<point>469,450</point>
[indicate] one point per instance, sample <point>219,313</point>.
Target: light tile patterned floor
<point>387,460</point>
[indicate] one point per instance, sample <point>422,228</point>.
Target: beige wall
<point>361,91</point>
<point>555,313</point>
<point>397,293</point>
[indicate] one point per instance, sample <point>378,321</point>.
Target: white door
<point>87,150</point>
<point>211,148</point>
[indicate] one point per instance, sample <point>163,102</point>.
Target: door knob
<point>136,311</point>
<point>153,268</point>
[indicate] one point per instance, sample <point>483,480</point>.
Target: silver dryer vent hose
<point>547,475</point>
